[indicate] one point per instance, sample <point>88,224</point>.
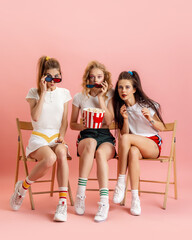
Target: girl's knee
<point>90,146</point>
<point>134,153</point>
<point>125,139</point>
<point>49,161</point>
<point>61,153</point>
<point>100,155</point>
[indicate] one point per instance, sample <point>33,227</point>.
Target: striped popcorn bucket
<point>93,117</point>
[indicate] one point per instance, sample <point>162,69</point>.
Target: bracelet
<point>152,122</point>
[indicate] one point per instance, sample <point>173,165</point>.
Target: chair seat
<point>161,159</point>
<point>35,160</point>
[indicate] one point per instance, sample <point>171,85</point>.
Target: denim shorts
<point>101,135</point>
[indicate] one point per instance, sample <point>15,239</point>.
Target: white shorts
<point>42,138</point>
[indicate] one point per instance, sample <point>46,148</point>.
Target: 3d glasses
<point>55,80</point>
<point>96,85</point>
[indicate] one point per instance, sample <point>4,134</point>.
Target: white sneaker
<point>61,212</point>
<point>16,199</point>
<point>80,204</point>
<point>119,193</point>
<point>135,207</point>
<point>102,212</point>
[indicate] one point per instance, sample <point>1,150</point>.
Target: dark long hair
<point>140,97</point>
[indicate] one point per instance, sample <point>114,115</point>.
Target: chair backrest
<point>22,125</point>
<point>171,127</point>
<point>113,126</point>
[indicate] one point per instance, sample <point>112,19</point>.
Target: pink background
<point>151,37</point>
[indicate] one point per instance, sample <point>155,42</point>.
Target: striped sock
<point>82,183</point>
<point>63,194</point>
<point>26,184</point>
<point>104,195</point>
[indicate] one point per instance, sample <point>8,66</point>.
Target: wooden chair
<point>21,125</point>
<point>113,126</point>
<point>171,158</point>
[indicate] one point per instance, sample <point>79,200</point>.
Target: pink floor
<point>155,223</point>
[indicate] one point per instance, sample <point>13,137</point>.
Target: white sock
<point>104,195</point>
<point>63,194</point>
<point>104,199</point>
<point>121,179</point>
<point>82,183</point>
<point>134,194</point>
<point>26,184</point>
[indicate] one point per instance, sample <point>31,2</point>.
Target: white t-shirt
<point>82,101</point>
<point>138,124</point>
<point>53,108</point>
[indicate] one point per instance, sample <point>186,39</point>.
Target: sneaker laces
<point>101,210</point>
<point>80,201</point>
<point>119,188</point>
<point>135,203</point>
<point>61,208</point>
<point>18,198</point>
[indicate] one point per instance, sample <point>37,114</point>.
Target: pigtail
<point>40,72</point>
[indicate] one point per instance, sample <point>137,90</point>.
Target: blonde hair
<point>90,66</point>
<point>43,65</point>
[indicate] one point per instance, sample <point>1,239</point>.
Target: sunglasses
<point>55,80</point>
<point>96,85</point>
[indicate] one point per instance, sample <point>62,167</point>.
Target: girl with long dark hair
<point>139,120</point>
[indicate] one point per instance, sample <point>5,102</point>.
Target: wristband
<point>152,122</point>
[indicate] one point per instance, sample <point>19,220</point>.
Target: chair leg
<point>167,185</point>
<point>30,191</point>
<point>31,199</point>
<point>53,179</point>
<point>175,176</point>
<point>70,194</point>
<point>17,165</point>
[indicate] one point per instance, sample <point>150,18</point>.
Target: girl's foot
<point>135,207</point>
<point>17,199</point>
<point>80,204</point>
<point>102,212</point>
<point>119,193</point>
<point>61,212</point>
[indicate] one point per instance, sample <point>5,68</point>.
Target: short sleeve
<point>110,93</point>
<point>67,95</point>
<point>33,94</point>
<point>152,112</point>
<point>76,100</point>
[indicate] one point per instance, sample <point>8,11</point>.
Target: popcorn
<point>93,117</point>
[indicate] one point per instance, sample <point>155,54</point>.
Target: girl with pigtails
<point>49,107</point>
<point>139,120</point>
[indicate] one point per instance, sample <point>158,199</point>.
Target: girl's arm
<point>125,128</point>
<point>64,125</point>
<point>155,121</point>
<point>74,118</point>
<point>36,106</point>
<point>108,116</point>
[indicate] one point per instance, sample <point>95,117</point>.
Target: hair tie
<point>130,72</point>
<point>47,58</point>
